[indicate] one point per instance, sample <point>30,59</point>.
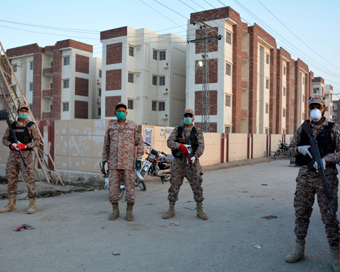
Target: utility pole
<point>205,41</point>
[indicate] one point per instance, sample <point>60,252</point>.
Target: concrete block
<point>83,164</point>
<point>61,162</point>
<point>61,145</point>
<point>97,146</point>
<point>61,127</point>
<point>95,165</point>
<point>80,127</point>
<point>79,146</point>
<point>99,127</point>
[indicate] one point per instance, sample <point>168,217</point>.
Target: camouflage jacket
<point>331,158</point>
<point>119,145</point>
<point>173,145</point>
<point>33,131</point>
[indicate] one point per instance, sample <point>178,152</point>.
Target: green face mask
<point>121,115</point>
<point>187,121</point>
<point>22,115</point>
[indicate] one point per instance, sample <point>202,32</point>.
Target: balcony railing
<point>48,71</point>
<point>46,115</point>
<point>47,93</point>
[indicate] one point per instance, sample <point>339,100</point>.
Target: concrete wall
<point>78,145</point>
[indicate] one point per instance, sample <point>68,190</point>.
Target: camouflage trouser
<point>128,177</point>
<point>179,170</point>
<point>309,183</point>
<point>14,166</point>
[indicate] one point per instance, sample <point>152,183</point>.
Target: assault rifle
<point>317,158</point>
<point>189,154</point>
<point>4,115</point>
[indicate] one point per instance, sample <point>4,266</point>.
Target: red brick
<point>212,102</point>
<point>82,86</point>
<point>213,69</point>
<point>82,64</point>
<point>81,109</point>
<point>37,77</point>
<point>213,46</point>
<point>113,33</point>
<point>110,104</point>
<point>113,80</point>
<point>213,126</point>
<point>114,53</point>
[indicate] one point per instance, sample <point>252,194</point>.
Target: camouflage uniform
<point>15,164</point>
<point>119,149</point>
<point>309,183</point>
<point>180,168</point>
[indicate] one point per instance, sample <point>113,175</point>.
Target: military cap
<point>317,99</point>
<point>190,111</point>
<point>121,104</point>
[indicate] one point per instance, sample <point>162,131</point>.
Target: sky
<point>307,29</point>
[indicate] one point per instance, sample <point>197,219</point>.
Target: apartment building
<point>146,71</point>
<point>56,80</point>
<point>254,87</point>
<point>96,88</point>
<point>336,112</point>
<point>319,87</point>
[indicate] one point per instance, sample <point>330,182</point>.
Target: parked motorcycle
<point>105,171</point>
<point>282,149</point>
<point>157,164</point>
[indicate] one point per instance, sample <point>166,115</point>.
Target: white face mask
<point>316,115</point>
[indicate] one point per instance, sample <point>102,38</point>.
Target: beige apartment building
<point>146,71</point>
<point>58,81</point>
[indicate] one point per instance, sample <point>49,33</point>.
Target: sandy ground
<point>72,231</point>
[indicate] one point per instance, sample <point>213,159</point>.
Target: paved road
<point>73,232</point>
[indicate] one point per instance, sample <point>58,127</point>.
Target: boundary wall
<point>77,144</point>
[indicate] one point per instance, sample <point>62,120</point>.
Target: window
<point>154,105</point>
<point>228,69</point>
<point>51,63</point>
<point>303,98</point>
<point>154,54</point>
<point>284,131</point>
<point>67,60</point>
<point>31,107</point>
<point>131,51</point>
<point>267,108</point>
<point>130,104</point>
<point>267,83</point>
<point>267,130</point>
<point>228,37</point>
<point>66,106</point>
<point>51,108</point>
<point>154,80</point>
<point>130,77</point>
<point>284,113</point>
<point>284,70</point>
<point>51,86</point>
<point>161,106</point>
<point>15,68</point>
<point>228,100</point>
<point>31,65</point>
<point>99,112</point>
<point>315,90</point>
<point>99,92</point>
<point>66,83</point>
<point>161,81</point>
<point>31,87</point>
<point>100,73</point>
<point>267,58</point>
<point>162,55</point>
<point>227,129</point>
<point>326,96</point>
<point>284,91</point>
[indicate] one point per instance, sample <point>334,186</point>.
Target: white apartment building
<point>146,71</point>
<point>325,90</point>
<point>57,81</point>
<point>96,87</point>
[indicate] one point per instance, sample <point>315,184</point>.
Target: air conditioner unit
<point>165,116</point>
<point>166,65</point>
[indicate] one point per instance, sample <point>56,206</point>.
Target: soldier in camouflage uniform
<point>27,134</point>
<point>180,167</point>
<point>309,182</point>
<point>121,138</point>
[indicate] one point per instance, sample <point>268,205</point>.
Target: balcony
<point>46,115</point>
<point>244,113</point>
<point>48,71</point>
<point>244,84</point>
<point>47,93</point>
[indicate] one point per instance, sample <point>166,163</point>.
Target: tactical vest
<point>22,133</point>
<point>325,144</point>
<point>180,139</point>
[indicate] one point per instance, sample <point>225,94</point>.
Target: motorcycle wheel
<point>277,154</point>
<point>141,183</point>
<point>166,178</point>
